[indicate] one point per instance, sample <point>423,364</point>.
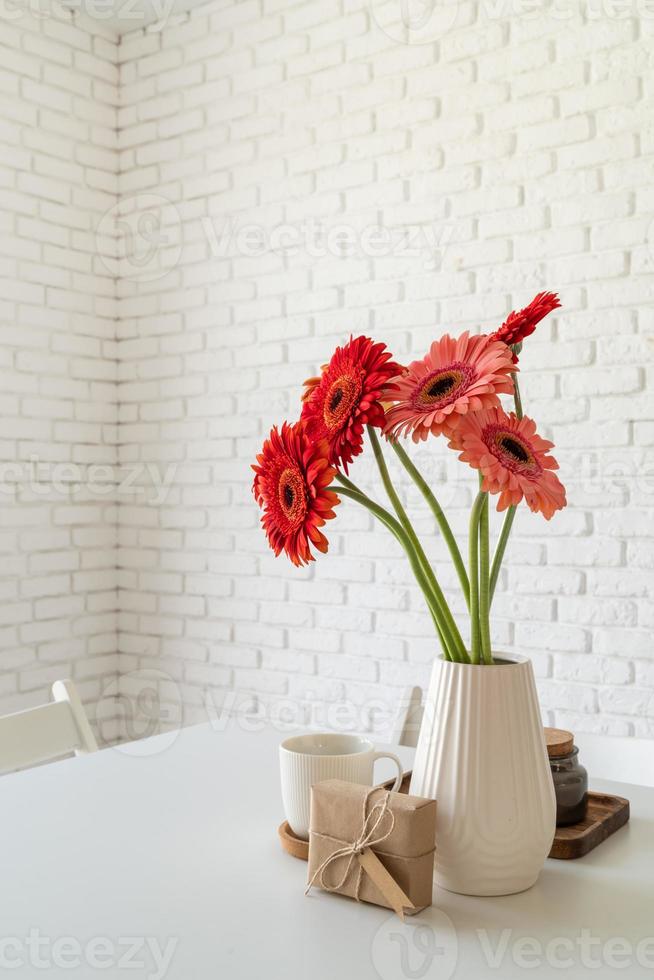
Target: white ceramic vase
<point>481,754</point>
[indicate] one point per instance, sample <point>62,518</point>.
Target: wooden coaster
<point>293,845</point>
<point>606,814</point>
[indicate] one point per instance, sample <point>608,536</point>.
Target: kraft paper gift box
<point>352,826</point>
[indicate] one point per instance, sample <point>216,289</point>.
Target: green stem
<point>500,549</point>
<point>397,530</point>
<point>484,592</point>
<point>349,489</point>
<point>351,486</point>
<point>451,633</point>
<point>439,514</point>
<point>473,558</point>
<point>502,542</point>
<point>516,397</point>
<point>439,631</point>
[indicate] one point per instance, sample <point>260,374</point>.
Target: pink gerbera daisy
<point>456,376</point>
<point>512,458</point>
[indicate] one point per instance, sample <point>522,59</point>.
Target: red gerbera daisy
<point>513,459</point>
<point>456,376</point>
<point>521,323</point>
<point>290,484</point>
<point>347,396</point>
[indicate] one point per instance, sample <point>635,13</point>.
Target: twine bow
<point>370,825</point>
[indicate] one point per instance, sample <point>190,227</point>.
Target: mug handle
<point>400,770</point>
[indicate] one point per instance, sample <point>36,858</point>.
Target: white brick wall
<point>512,153</point>
<point>58,175</point>
<point>522,145</point>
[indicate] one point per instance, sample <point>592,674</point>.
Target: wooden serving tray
<point>606,814</point>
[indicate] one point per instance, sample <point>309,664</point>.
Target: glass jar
<point>569,776</point>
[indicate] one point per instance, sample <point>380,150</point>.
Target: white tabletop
<point>173,852</point>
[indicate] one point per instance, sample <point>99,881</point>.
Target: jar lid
<point>559,742</point>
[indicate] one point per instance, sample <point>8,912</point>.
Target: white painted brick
<point>557,134</point>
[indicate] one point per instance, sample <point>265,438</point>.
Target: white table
<point>180,844</point>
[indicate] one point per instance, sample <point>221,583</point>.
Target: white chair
<point>617,757</point>
<point>47,732</point>
<point>406,726</point>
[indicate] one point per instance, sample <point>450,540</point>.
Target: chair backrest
<point>47,732</point>
<point>406,726</point>
<point>617,757</point>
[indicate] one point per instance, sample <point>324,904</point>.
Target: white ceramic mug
<point>308,759</point>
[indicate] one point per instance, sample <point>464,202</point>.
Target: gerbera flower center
<point>443,386</point>
<point>292,495</point>
<point>341,397</point>
<point>516,450</point>
<point>513,452</point>
<point>337,398</point>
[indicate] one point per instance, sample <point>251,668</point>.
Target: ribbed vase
<point>481,754</point>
